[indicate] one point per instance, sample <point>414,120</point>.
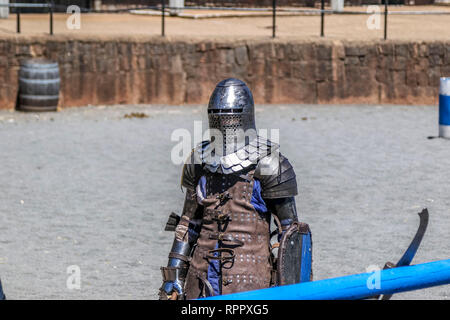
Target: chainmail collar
<point>234,162</point>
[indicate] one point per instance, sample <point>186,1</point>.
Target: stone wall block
<point>241,54</point>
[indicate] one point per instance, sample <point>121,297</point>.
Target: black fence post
<point>163,9</point>
<point>274,16</point>
<point>386,2</point>
<point>51,17</point>
<point>322,19</point>
<point>18,20</point>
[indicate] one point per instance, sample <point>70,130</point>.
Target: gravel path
<point>89,187</point>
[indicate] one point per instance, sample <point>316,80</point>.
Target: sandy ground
<point>349,27</point>
<point>90,188</point>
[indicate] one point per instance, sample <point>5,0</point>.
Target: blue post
<point>358,286</point>
<point>444,108</point>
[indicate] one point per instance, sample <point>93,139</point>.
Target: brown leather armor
<point>234,234</point>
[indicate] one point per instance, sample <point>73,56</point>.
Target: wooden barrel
<point>39,84</point>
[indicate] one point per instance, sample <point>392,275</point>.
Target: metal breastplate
<point>234,234</point>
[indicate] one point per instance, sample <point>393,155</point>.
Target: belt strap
<point>208,289</point>
<point>181,257</point>
<point>230,257</point>
<point>224,237</point>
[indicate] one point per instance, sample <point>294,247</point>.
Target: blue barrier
<point>358,286</point>
<point>444,108</point>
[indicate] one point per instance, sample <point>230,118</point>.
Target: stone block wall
<point>103,71</point>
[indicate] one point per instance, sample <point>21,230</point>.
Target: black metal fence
<point>322,12</point>
<point>51,7</point>
<point>18,8</point>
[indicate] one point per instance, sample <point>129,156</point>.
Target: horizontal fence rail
<point>26,5</point>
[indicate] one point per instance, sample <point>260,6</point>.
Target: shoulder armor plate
<point>277,177</point>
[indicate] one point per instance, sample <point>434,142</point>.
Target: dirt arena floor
<point>93,188</point>
<point>348,27</point>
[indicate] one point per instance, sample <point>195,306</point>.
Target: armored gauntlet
<point>174,274</point>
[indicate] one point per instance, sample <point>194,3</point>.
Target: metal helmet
<point>231,112</point>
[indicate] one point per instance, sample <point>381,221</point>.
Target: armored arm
<point>279,188</point>
<point>185,237</point>
<point>284,209</point>
<point>186,234</point>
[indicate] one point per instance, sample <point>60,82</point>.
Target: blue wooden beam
<point>355,286</point>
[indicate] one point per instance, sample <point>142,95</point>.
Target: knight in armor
<point>235,182</point>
